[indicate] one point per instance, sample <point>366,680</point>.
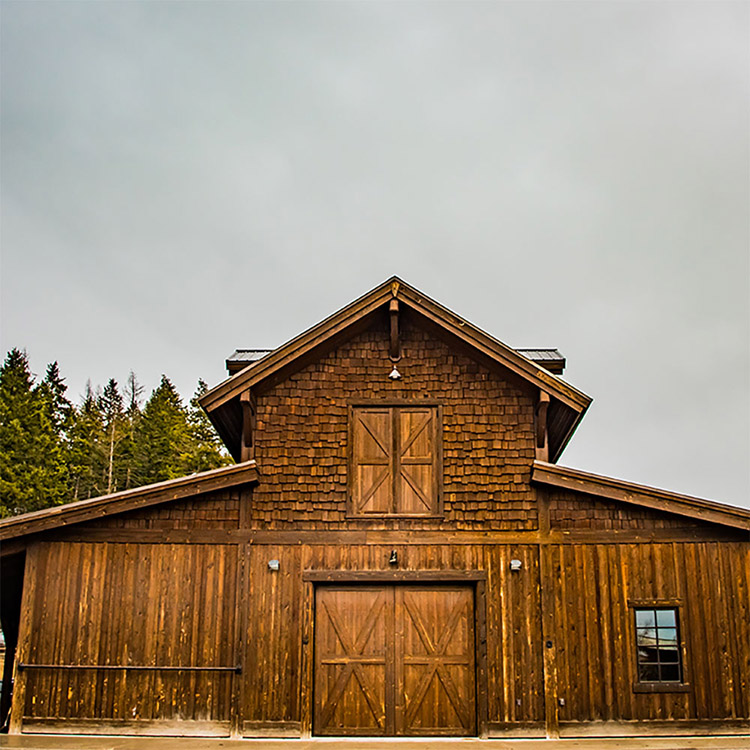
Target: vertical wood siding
<point>595,639</point>
<point>136,605</point>
<point>169,605</point>
<point>273,633</point>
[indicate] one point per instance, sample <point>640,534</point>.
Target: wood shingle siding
<point>302,434</point>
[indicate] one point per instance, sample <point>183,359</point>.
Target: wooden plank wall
<point>137,605</point>
<point>274,630</point>
<point>169,605</point>
<point>595,636</point>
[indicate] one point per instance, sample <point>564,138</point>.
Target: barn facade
<point>396,552</point>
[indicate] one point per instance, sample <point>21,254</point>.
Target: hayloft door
<point>394,660</point>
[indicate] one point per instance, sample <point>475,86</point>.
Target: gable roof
<point>600,486</point>
<point>550,359</point>
<point>119,502</point>
<point>222,402</point>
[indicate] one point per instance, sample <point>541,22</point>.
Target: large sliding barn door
<point>394,660</point>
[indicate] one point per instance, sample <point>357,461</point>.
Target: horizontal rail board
<point>142,667</point>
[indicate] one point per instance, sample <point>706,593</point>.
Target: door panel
<point>394,660</point>
<point>350,659</point>
<point>435,660</point>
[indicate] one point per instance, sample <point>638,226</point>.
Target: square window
<point>394,460</point>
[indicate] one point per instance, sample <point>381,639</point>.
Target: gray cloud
<point>179,179</point>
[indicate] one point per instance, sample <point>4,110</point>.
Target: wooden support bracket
<point>249,408</point>
<point>542,408</point>
<point>395,343</point>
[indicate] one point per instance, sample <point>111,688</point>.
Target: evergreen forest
<point>53,451</point>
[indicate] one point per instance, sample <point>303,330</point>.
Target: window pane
<point>648,672</point>
<point>670,672</point>
<point>645,618</point>
<point>666,618</point>
<point>646,654</point>
<point>646,636</point>
<point>669,655</point>
<point>667,636</point>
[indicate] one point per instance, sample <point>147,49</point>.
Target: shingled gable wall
<point>301,435</point>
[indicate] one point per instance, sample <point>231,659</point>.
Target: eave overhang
<point>222,402</point>
<point>562,477</point>
<point>139,497</point>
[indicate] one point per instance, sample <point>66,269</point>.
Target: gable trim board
<point>222,402</point>
<point>138,497</point>
<point>600,486</point>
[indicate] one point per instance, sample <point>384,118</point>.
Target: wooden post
<point>307,674</point>
<point>24,639</point>
<point>549,639</point>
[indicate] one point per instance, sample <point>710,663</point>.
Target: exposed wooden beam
<point>395,343</point>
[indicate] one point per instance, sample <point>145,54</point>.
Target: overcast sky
<point>181,179</point>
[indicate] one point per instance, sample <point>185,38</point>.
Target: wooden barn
<point>395,552</point>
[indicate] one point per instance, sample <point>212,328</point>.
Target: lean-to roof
<point>597,485</point>
<point>137,497</point>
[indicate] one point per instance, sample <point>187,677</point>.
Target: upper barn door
<point>394,460</point>
<point>394,660</point>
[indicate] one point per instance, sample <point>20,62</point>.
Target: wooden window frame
<point>639,686</point>
<point>352,406</point>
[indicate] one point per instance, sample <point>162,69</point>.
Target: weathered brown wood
<point>248,404</point>
<point>271,729</point>
<point>398,536</point>
<point>350,660</point>
<point>541,426</point>
<point>329,576</point>
<point>395,660</point>
<point>145,727</point>
<point>480,618</point>
<point>395,342</point>
<point>435,670</point>
<point>654,728</point>
<point>306,659</point>
<point>551,643</point>
<point>25,647</point>
<point>140,497</point>
<point>649,497</point>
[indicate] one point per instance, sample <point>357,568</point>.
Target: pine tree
<point>163,440</point>
<point>33,470</point>
<point>207,451</point>
<point>87,452</point>
<point>53,388</point>
<point>133,397</point>
<point>114,423</point>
